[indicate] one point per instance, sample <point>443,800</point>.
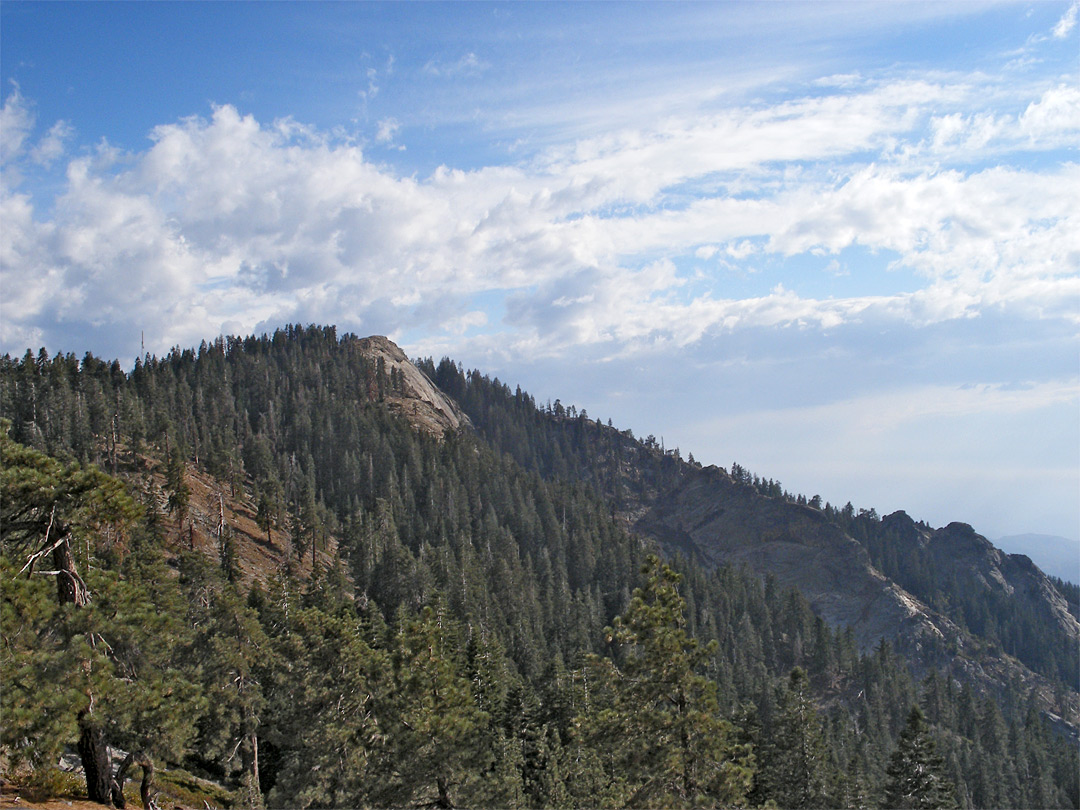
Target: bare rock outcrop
<point>708,514</point>
<point>416,397</point>
<point>958,553</point>
<point>726,522</point>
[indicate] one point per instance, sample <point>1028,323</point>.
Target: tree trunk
<point>112,449</point>
<point>147,781</point>
<point>249,757</point>
<point>221,517</point>
<point>70,588</point>
<point>147,765</point>
<point>95,760</point>
<point>444,795</point>
<point>118,783</point>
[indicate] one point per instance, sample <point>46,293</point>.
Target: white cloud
<point>1067,22</point>
<point>231,221</point>
<point>468,65</point>
<point>957,132</point>
<point>16,121</point>
<point>1055,117</point>
<point>51,147</point>
<point>372,89</point>
<point>740,250</point>
<point>388,128</point>
<point>459,324</point>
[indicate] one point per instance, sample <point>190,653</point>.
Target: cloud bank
<point>622,241</point>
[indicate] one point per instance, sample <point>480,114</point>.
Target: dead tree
<point>143,761</point>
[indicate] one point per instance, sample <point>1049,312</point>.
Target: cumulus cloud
<point>1055,117</point>
<point>227,221</point>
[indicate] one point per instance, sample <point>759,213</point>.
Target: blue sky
<point>837,243</point>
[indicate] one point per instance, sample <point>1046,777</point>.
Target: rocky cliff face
<point>723,521</point>
<point>707,514</point>
<point>958,553</point>
<point>417,399</point>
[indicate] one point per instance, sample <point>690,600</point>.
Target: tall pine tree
<point>916,772</point>
<point>659,721</point>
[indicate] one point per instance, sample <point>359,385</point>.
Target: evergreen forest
<point>239,563</point>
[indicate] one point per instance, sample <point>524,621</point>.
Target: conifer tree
<point>794,762</point>
<point>107,657</point>
<point>176,483</point>
<point>660,725</point>
<point>916,772</point>
<point>325,706</point>
<point>437,754</point>
<point>231,648</point>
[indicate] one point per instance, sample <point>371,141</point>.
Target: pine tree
<point>660,724</point>
<point>916,772</point>
<point>231,648</point>
<point>176,484</point>
<point>795,767</point>
<point>46,505</point>
<point>324,706</point>
<point>437,754</point>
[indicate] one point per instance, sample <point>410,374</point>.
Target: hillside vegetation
<point>323,576</point>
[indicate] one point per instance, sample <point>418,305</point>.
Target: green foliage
<point>916,772</point>
<point>439,752</point>
<point>326,700</point>
<point>177,487</point>
<point>795,767</point>
<point>232,650</point>
<point>36,666</point>
<point>42,497</point>
<point>498,558</point>
<point>101,655</point>
<point>47,781</point>
<point>654,716</point>
<point>177,786</point>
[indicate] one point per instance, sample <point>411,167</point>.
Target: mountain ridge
<point>705,513</point>
<point>1056,555</point>
<point>523,526</point>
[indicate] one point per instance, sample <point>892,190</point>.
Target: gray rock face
<point>707,514</point>
<point>959,553</point>
<point>725,522</point>
<point>421,402</point>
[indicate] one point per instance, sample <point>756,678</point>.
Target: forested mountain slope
<point>944,597</point>
<point>373,590</point>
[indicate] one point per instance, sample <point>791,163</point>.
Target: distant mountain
<point>1057,556</point>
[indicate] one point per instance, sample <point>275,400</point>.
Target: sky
<point>837,243</point>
